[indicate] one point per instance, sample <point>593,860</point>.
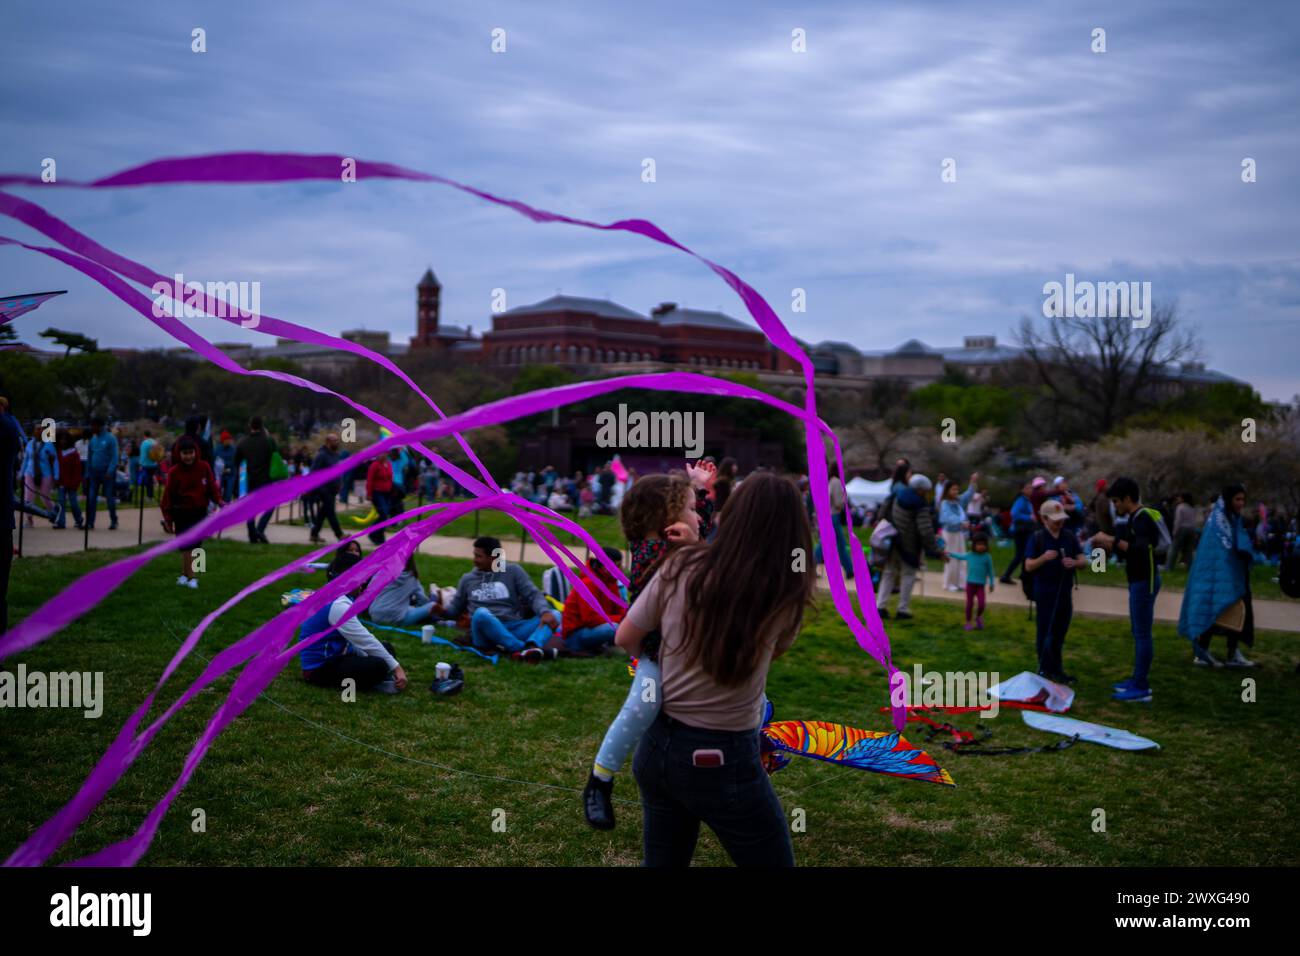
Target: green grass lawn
<point>303,778</point>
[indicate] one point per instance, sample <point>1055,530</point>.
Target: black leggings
<point>366,671</point>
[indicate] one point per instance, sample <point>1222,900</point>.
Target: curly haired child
<point>658,513</point>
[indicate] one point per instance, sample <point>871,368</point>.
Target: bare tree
<point>1103,366</point>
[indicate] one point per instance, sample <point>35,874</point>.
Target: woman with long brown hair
<point>725,610</point>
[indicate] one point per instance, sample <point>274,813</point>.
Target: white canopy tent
<point>868,494</point>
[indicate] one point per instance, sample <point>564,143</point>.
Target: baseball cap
<point>1052,510</point>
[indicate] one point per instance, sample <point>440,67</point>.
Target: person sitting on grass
<point>191,486</point>
<point>347,650</point>
<point>493,594</point>
<point>403,602</point>
<point>585,631</point>
<point>979,573</point>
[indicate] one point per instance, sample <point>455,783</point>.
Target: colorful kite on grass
<point>875,750</point>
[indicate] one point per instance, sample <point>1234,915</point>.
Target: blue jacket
<point>1022,509</point>
<point>951,515</point>
<point>49,459</point>
<point>102,454</point>
<point>1218,576</point>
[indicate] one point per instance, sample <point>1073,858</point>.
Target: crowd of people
<point>709,601</point>
<point>1053,534</point>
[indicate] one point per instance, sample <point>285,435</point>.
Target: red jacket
<point>578,613</point>
<point>190,489</point>
<point>379,477</point>
<point>69,468</point>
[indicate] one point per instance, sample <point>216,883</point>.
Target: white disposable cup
<point>442,669</point>
<point>426,634</point>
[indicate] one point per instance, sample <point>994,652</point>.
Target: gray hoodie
<point>503,593</point>
<point>399,596</point>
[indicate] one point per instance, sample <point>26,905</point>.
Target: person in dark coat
<point>255,450</point>
<point>326,457</point>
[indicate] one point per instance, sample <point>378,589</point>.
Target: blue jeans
<point>149,477</point>
<point>1142,612</point>
<point>488,631</point>
<point>383,505</point>
<point>68,502</point>
<point>736,799</point>
<point>418,615</point>
<point>586,639</point>
<point>107,486</point>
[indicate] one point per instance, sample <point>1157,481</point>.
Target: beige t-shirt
<point>691,695</point>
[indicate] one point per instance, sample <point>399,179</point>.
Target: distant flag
<point>12,306</point>
<point>619,469</point>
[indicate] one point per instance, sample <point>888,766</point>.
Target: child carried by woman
<point>658,513</point>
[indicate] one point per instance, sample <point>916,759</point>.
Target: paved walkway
<point>1088,599</point>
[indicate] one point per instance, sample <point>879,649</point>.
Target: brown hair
<point>652,504</point>
<point>742,585</point>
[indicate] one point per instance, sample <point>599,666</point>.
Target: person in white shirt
<point>347,650</point>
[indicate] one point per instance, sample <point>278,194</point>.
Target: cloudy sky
<point>818,170</point>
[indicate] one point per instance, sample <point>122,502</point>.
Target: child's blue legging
<point>639,711</point>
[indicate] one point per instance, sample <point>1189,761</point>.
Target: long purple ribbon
<point>96,262</point>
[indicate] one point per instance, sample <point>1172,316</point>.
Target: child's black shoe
<point>598,804</point>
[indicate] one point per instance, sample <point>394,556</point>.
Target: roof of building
<point>574,303</point>
<point>715,320</point>
<point>993,355</point>
<point>429,280</point>
<point>454,332</point>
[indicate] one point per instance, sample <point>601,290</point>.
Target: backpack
<point>1027,576</point>
<point>1164,542</point>
<point>556,586</point>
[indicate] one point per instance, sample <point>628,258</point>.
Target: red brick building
<point>569,330</point>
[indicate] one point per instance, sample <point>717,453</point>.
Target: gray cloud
<point>818,170</point>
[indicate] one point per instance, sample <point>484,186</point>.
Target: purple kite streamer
<point>265,645</point>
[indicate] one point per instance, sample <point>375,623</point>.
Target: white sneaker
<point>183,581</point>
<point>1209,660</point>
<point>193,584</point>
<point>1238,659</point>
